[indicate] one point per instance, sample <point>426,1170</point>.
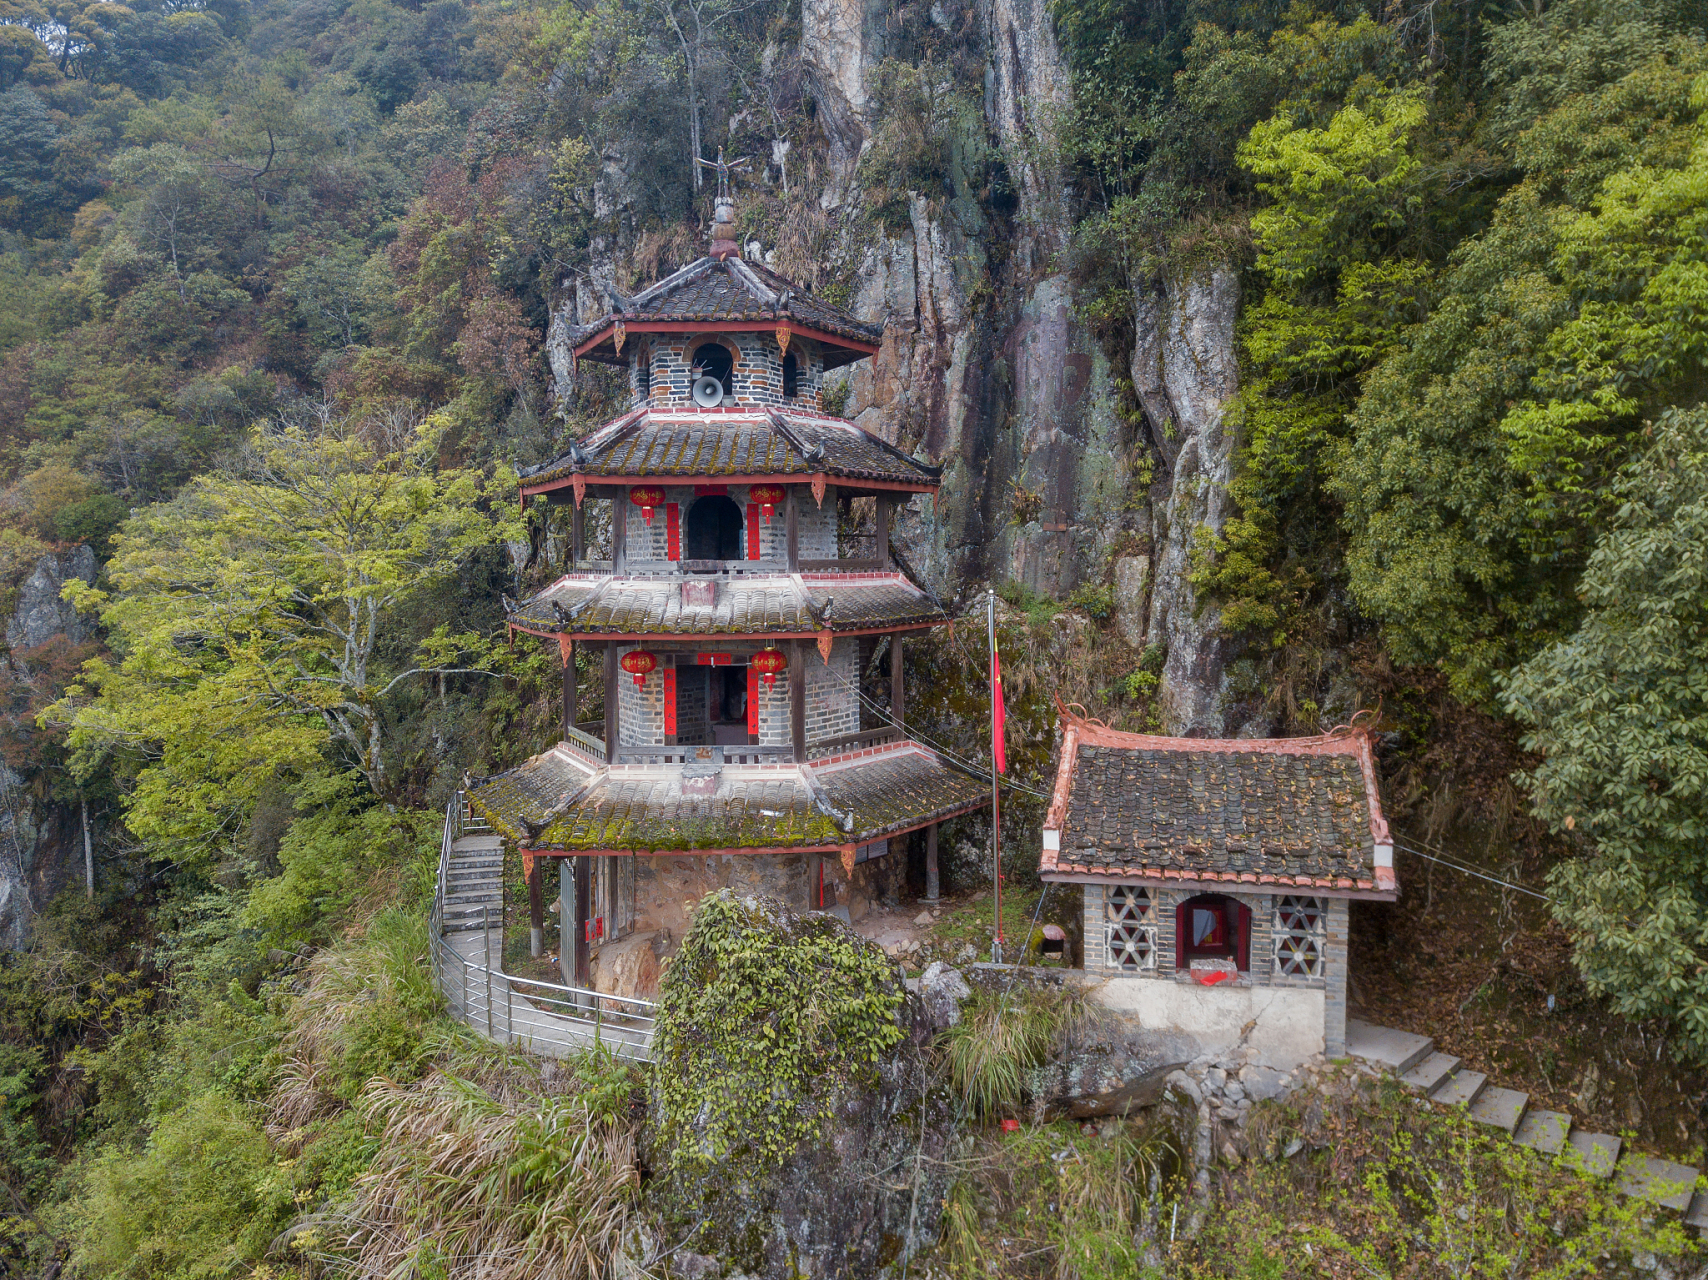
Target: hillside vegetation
<point>275,278</point>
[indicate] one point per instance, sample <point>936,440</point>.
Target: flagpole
<point>995,797</point>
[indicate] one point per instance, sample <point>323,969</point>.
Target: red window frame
<point>1235,941</point>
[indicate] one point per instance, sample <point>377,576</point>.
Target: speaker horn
<point>708,392</point>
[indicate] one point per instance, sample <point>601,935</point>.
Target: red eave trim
<point>1320,887</point>
<point>728,326</point>
<point>691,637</point>
<point>796,477</point>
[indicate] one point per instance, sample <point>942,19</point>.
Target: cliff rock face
<point>1186,372</point>
<point>41,848</point>
<point>41,615</point>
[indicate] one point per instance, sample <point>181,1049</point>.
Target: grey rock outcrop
<point>41,615</point>
<point>1186,372</point>
<point>941,990</point>
<point>1109,1070</point>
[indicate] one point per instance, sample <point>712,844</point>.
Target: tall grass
<point>1003,1036</point>
<point>492,1166</point>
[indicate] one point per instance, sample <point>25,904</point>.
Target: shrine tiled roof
<point>730,442</point>
<point>722,291</point>
<point>771,604</point>
<point>1283,812</point>
<point>830,805</point>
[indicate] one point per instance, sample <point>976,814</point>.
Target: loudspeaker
<point>708,393</point>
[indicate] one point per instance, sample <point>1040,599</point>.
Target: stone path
<point>537,1017</point>
<point>1415,1060</point>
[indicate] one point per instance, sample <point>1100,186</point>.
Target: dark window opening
<point>791,377</point>
<point>714,529</point>
<point>1212,927</point>
<point>711,705</point>
<point>713,360</point>
<point>643,367</point>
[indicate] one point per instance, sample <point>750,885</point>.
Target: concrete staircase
<point>1439,1077</point>
<point>474,879</point>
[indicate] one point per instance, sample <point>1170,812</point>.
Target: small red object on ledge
<point>1207,973</point>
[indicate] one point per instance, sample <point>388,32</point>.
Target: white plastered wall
<point>1286,1022</point>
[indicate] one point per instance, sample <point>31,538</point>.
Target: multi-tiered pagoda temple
<point>729,625</point>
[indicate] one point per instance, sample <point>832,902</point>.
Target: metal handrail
<point>553,1017</point>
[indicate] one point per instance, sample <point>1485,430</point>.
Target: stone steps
<point>1441,1078</point>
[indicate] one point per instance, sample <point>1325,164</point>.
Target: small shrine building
<point>1217,875</point>
<point>728,618</point>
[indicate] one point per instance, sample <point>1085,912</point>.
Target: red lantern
<point>638,662</point>
<point>767,496</point>
<point>646,497</point>
<point>768,662</point>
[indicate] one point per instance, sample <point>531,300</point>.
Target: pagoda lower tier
<point>635,846</point>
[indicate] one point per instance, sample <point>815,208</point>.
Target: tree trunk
<point>88,852</point>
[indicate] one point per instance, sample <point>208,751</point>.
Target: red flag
<point>998,714</point>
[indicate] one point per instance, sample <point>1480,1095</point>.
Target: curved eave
<point>840,478</point>
<point>840,348</point>
<point>692,637</point>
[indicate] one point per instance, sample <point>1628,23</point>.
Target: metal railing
<point>540,1017</point>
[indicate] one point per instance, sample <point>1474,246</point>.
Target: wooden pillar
<point>898,695</point>
<point>583,913</point>
<point>931,863</point>
<point>577,533</point>
<point>798,698</point>
<point>792,530</point>
<point>620,532</point>
<point>611,726</point>
<point>883,525</point>
<point>569,691</point>
<point>536,908</point>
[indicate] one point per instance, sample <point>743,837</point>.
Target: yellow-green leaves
<point>256,615</point>
<point>1334,188</point>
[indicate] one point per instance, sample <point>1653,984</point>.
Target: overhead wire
<point>1440,858</point>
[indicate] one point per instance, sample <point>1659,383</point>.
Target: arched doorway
<point>713,360</point>
<point>714,528</point>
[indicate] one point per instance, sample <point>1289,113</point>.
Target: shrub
<point>1002,1037</point>
<point>203,1199</point>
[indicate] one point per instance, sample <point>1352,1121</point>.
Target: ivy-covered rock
<point>795,1131</point>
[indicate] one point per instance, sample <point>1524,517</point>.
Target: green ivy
<point>762,1018</point>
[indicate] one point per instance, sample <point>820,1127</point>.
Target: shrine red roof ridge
<point>1295,813</point>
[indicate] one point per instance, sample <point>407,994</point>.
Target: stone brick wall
<point>1166,901</point>
<point>816,524</point>
<point>757,375</point>
<point>640,711</point>
<point>833,708</point>
<point>1334,1006</point>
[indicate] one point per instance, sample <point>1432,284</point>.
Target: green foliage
<point>203,1198</point>
<point>1619,711</point>
<point>1002,1037</point>
<point>1385,1187</point>
<point>1094,600</point>
<point>1481,451</point>
<point>760,1027</point>
<point>252,612</point>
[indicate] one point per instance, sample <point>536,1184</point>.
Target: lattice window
<point>1129,928</point>
<point>1301,935</point>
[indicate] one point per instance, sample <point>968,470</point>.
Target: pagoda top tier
<point>720,293</point>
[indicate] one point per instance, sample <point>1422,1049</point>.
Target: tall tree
<point>254,613</point>
<point>1619,711</point>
